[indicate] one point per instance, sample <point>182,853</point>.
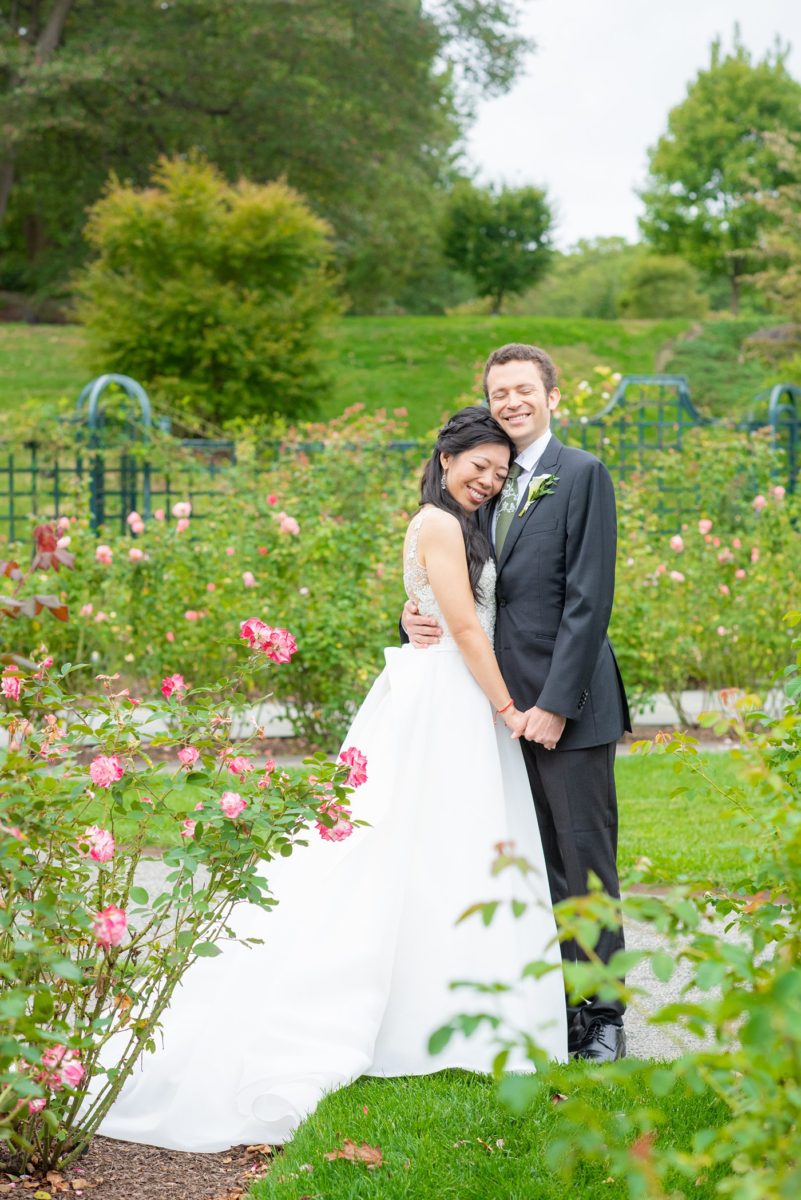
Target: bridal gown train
<point>358,955</point>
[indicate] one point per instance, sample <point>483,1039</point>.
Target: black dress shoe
<point>602,1042</point>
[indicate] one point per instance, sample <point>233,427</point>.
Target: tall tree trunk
<point>48,42</point>
<point>51,35</point>
<point>6,183</point>
<point>735,293</point>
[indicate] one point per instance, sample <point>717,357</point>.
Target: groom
<point>554,530</point>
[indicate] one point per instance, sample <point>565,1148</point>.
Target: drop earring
<point>443,481</point>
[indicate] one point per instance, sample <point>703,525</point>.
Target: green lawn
<point>427,365</point>
<point>696,835</point>
<point>448,1137</point>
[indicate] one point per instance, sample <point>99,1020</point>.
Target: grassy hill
<point>427,365</point>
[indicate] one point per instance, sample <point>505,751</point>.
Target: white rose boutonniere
<point>541,485</point>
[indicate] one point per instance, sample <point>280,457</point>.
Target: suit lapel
<point>546,466</point>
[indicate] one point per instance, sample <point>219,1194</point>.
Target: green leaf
<point>138,895</point>
<point>439,1039</point>
<point>206,950</point>
<point>663,965</point>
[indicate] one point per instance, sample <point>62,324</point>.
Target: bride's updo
<point>468,428</point>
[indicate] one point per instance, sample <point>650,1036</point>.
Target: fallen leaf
<point>641,1148</point>
<point>486,1145</point>
<point>260,1148</point>
<point>557,1097</point>
<point>371,1156</point>
<point>42,1195</point>
<point>365,1109</point>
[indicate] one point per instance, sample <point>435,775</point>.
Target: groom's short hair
<point>520,352</point>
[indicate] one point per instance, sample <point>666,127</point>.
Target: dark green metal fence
<point>120,462</point>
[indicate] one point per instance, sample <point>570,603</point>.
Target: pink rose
<point>188,827</point>
<point>170,636</point>
<point>105,770</point>
<point>132,518</point>
<point>182,510</point>
<point>263,550</point>
<point>232,804</point>
<point>269,767</point>
<point>159,514</point>
<point>182,525</point>
<point>109,926</point>
<point>255,632</point>
<point>357,762</point>
<point>87,610</point>
<point>739,573</point>
<point>725,556</point>
<point>188,756</point>
<point>272,500</point>
<point>138,527</point>
<point>736,543</point>
<point>52,1056</point>
<point>724,589</point>
<point>63,543</point>
<point>287,524</point>
<point>211,587</point>
<point>173,683</point>
<point>11,686</point>
<point>71,1071</point>
<point>192,614</point>
<point>660,570</point>
<point>62,524</point>
<point>98,843</point>
<point>704,526</point>
<point>43,667</point>
<point>341,828</point>
<point>229,550</point>
<point>677,543</point>
<point>103,555</point>
<point>721,631</point>
<point>759,503</point>
<point>754,554</point>
<point>677,576</point>
<point>101,616</point>
<point>135,554</point>
<point>36,1106</point>
<point>249,579</point>
<point>239,765</point>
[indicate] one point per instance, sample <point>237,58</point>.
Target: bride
<point>358,956</point>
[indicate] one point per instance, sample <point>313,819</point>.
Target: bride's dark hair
<point>466,429</point>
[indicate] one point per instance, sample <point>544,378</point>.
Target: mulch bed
<point>112,1170</point>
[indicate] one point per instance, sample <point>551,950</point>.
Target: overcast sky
<point>596,92</point>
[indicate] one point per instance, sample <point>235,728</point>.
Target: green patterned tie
<point>507,507</point>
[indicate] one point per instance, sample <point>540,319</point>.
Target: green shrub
<point>214,295</point>
<point>86,954</point>
<point>659,285</point>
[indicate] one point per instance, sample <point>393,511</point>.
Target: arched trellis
<point>134,477</point>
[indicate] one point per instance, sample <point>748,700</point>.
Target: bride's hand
<point>515,721</point>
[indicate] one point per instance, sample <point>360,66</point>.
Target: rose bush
<point>742,994</point>
<point>86,953</point>
<point>307,532</point>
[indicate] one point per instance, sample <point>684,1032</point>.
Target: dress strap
<point>414,534</point>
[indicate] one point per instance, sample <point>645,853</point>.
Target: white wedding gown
<point>354,973</point>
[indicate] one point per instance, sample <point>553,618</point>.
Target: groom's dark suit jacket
<point>556,578</point>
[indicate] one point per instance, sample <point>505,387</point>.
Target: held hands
<point>422,631</point>
<point>543,727</point>
<point>515,721</point>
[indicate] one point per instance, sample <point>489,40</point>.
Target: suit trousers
<point>576,805</point>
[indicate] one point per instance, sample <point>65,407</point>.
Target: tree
<point>779,249</point>
<point>356,105</point>
<point>585,281</point>
<point>501,239</point>
<point>662,285</point>
<point>214,295</point>
<point>700,198</point>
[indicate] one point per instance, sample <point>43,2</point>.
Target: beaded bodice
<point>415,580</point>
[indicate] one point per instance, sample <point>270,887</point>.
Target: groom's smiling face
<point>519,402</point>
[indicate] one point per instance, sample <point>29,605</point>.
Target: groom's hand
<point>544,727</point>
<point>422,631</point>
